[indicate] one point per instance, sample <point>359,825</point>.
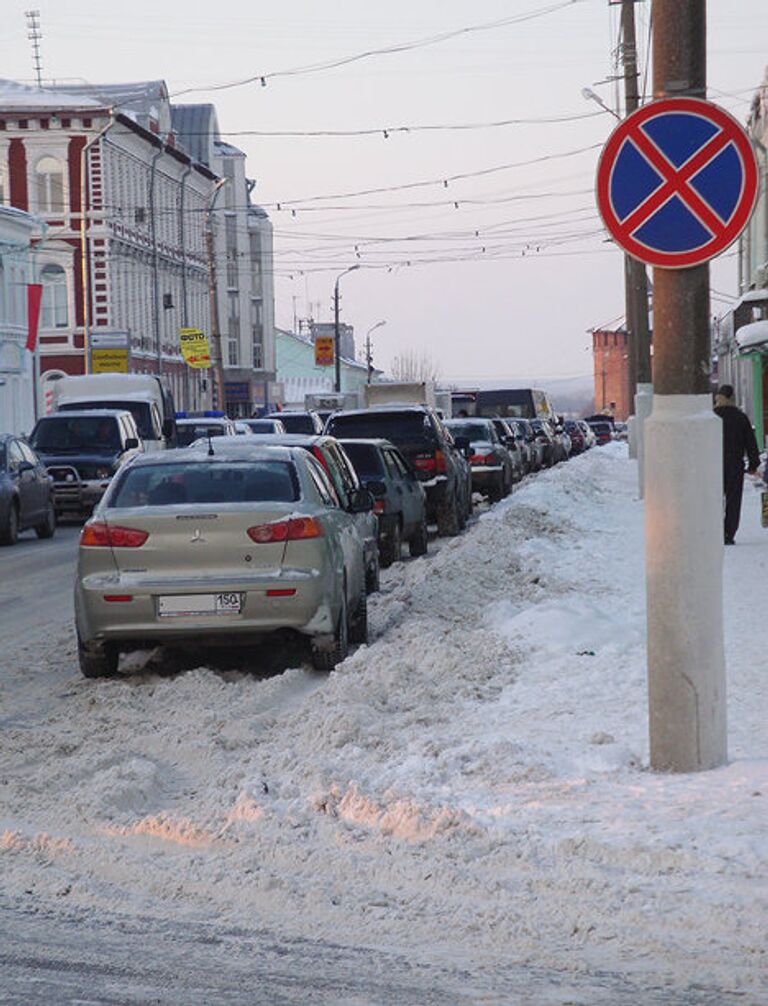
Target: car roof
<point>209,420</point>
<point>369,442</point>
<point>288,439</point>
<point>382,410</point>
<point>290,412</point>
<point>234,446</point>
<point>87,413</point>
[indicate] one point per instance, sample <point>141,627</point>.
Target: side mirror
<point>131,443</point>
<point>376,487</point>
<point>25,466</point>
<point>360,501</point>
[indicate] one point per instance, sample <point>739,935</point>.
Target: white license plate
<point>178,605</point>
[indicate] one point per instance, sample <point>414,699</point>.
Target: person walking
<point>738,440</point>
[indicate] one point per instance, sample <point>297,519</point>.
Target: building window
<point>230,224</point>
<point>257,333</point>
<point>49,183</point>
<point>233,327</point>
<point>54,312</point>
<point>229,188</point>
<point>254,239</point>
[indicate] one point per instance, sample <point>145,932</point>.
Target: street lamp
<point>368,353</point>
<point>336,354</point>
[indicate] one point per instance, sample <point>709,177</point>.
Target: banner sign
<point>324,355</point>
<point>109,361</point>
<point>34,298</point>
<point>194,348</point>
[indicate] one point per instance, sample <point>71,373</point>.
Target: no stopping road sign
<point>677,182</point>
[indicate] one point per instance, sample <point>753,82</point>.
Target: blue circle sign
<point>677,182</point>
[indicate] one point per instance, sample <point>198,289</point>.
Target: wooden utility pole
<point>684,527</point>
<point>217,375</point>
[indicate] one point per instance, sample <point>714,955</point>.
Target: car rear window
<point>365,458</point>
<point>260,425</point>
<point>298,423</point>
<point>207,482</point>
<point>187,433</point>
<point>399,427</point>
<point>601,427</point>
<point>472,431</point>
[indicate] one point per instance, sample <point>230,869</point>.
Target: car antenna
<point>210,446</point>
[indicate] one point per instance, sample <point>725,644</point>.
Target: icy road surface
<point>461,813</point>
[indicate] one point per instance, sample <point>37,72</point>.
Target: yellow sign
<point>109,361</point>
<point>764,508</point>
<point>324,356</point>
<point>194,348</point>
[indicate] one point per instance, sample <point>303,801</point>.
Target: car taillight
<point>100,535</point>
<point>425,463</point>
<point>287,592</point>
<point>482,459</point>
<point>440,462</point>
<point>379,506</point>
<point>286,530</point>
<point>112,598</point>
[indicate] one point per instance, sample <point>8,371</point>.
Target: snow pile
<point>474,782</point>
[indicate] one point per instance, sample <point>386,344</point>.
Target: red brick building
<point>610,357</point>
<point>145,273</point>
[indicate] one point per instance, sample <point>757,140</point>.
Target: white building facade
<point>17,407</point>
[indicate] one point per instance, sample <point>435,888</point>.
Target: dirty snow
<point>473,783</point>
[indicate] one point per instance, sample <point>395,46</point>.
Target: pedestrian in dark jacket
<point>738,440</point>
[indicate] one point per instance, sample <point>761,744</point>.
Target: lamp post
<point>336,354</point>
<point>368,351</point>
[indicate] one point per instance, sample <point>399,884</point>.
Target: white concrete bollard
<point>632,436</point>
<point>643,409</point>
<point>684,572</point>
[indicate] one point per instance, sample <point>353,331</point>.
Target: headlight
<point>104,473</point>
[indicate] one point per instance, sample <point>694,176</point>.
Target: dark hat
<point>725,391</point>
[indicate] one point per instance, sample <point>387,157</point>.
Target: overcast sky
<point>524,305</point>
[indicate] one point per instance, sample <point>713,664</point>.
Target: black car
<point>493,470</point>
<point>26,492</point>
<point>545,436</point>
<point>401,503</point>
<point>426,444</point>
<point>82,451</point>
<point>308,422</point>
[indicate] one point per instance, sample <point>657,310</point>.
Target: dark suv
<point>82,451</point>
<point>429,449</point>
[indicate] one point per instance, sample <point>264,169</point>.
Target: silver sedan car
<point>190,545</point>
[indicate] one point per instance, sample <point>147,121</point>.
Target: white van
<point>148,400</point>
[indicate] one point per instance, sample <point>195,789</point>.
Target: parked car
<point>429,449</point>
<point>577,435</point>
<point>191,426</point>
<point>603,431</point>
<point>345,483</point>
<point>589,434</point>
<point>299,422</point>
<point>525,448</point>
<point>621,431</point>
<point>546,438</point>
<point>399,498</point>
<point>535,446</point>
<point>493,471</point>
<point>562,440</point>
<point>26,492</point>
<point>508,436</point>
<point>187,547</point>
<point>264,425</point>
<point>82,451</point>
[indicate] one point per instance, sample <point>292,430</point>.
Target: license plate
<point>178,605</point>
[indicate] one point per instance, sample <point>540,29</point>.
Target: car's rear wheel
<point>326,656</point>
<point>392,546</point>
<point>448,523</point>
<point>97,660</point>
<point>358,625</point>
<point>48,526</point>
<point>418,542</point>
<point>10,532</point>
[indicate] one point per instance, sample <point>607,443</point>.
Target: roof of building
<point>752,335</point>
<point>15,96</point>
<point>197,128</point>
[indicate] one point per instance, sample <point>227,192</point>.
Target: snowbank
<point>473,783</point>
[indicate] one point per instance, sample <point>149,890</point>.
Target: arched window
<point>49,181</point>
<point>55,309</point>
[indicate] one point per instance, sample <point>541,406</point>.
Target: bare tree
<point>415,366</point>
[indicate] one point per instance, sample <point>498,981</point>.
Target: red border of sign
<point>739,218</point>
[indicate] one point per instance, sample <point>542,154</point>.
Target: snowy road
<point>461,813</point>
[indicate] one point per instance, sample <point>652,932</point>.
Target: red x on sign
<point>677,182</point>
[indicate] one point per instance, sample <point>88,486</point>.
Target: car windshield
<point>395,426</point>
<point>472,431</point>
<point>63,433</point>
<point>365,458</point>
<point>207,481</point>
<point>186,433</point>
<point>297,423</point>
<point>601,427</point>
<point>140,411</point>
<point>260,425</point>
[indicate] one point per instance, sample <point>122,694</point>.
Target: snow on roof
<point>752,335</point>
<point>752,295</point>
<point>22,98</point>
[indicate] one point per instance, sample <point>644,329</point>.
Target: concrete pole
<point>683,475</point>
